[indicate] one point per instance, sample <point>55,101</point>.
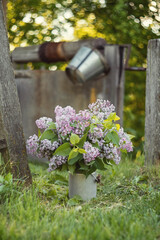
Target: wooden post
<point>152,118</point>
<point>12,138</point>
<point>114,80</point>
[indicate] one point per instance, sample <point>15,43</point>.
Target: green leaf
<point>72,154</point>
<point>83,166</point>
<point>91,170</point>
<point>79,157</point>
<point>108,125</point>
<point>82,140</point>
<point>71,168</point>
<point>113,137</point>
<point>74,139</point>
<point>99,163</point>
<point>130,136</point>
<point>86,129</point>
<point>52,125</point>
<point>39,132</point>
<point>64,167</point>
<point>63,150</point>
<point>112,162</point>
<point>48,134</point>
<point>113,117</point>
<point>96,145</point>
<point>81,150</point>
<point>123,150</point>
<point>8,178</point>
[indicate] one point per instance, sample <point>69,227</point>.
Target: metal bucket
<point>87,64</point>
<point>84,187</point>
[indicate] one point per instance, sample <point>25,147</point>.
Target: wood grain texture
<point>10,113</point>
<point>114,80</point>
<point>152,111</point>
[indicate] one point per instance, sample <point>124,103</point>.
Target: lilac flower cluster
<point>32,145</point>
<point>68,123</point>
<point>46,147</point>
<point>40,149</point>
<point>97,134</point>
<point>43,122</point>
<point>101,108</point>
<point>125,143</point>
<point>92,152</point>
<point>56,161</point>
<point>110,152</point>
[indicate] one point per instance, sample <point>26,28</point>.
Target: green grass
<point>127,206</point>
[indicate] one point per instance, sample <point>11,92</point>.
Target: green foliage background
<point>118,21</point>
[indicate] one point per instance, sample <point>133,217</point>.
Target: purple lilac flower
<point>92,152</point>
<point>67,121</point>
<point>101,108</point>
<point>64,117</point>
<point>43,122</point>
<point>56,161</point>
<point>46,147</point>
<point>96,134</point>
<point>111,152</point>
<point>125,142</point>
<point>32,145</point>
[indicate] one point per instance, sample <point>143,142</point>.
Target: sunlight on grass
<point>127,206</point>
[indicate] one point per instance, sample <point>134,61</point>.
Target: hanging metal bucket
<point>87,64</point>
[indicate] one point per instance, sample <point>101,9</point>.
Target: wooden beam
<point>53,52</point>
<point>152,117</point>
<point>10,114</point>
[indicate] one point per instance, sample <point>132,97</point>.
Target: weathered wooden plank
<point>10,111</point>
<point>22,74</point>
<point>41,93</point>
<point>152,111</point>
<point>114,80</point>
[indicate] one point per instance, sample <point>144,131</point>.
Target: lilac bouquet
<point>80,142</point>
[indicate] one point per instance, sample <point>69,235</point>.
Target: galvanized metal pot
<point>87,64</point>
<point>86,188</point>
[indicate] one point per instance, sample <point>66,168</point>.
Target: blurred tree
<point>118,21</point>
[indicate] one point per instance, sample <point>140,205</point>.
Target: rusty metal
<point>63,51</point>
<point>51,52</point>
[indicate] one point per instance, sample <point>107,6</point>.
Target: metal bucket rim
<point>74,69</point>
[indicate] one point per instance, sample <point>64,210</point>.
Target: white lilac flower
<point>43,122</point>
<point>125,142</point>
<point>101,108</point>
<point>110,152</point>
<point>56,161</point>
<point>92,152</point>
<point>46,147</point>
<point>32,145</point>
